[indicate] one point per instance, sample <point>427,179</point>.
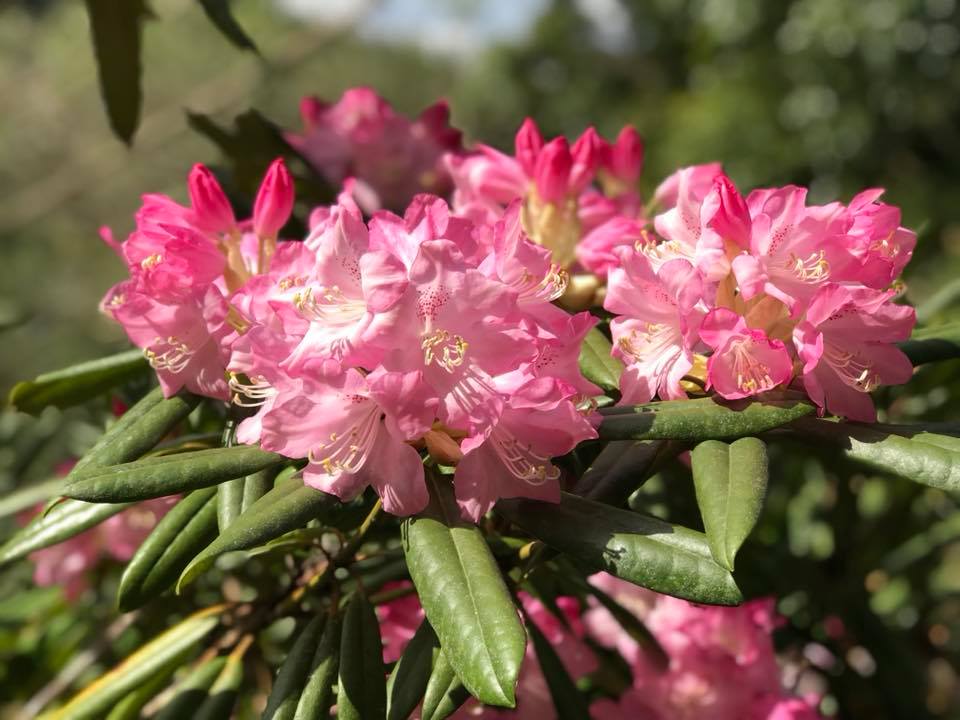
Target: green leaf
<point>317,696</point>
<point>933,344</point>
<point>78,383</point>
<point>218,11</point>
<point>116,28</point>
<point>410,675</point>
<point>445,693</point>
<point>229,501</point>
<point>222,696</point>
<point>465,599</point>
<point>643,550</point>
<point>129,708</point>
<point>731,483</point>
<point>193,691</point>
<point>178,537</point>
<point>66,519</point>
<point>701,419</point>
<point>923,457</point>
<point>292,676</point>
<point>290,505</point>
<point>256,486</point>
<point>28,496</point>
<point>597,364</point>
<point>623,466</point>
<point>169,474</point>
<point>169,648</point>
<point>138,430</point>
<point>363,694</point>
<point>568,701</point>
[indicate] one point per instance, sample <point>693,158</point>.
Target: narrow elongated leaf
<point>256,486</point>
<point>568,701</point>
<point>168,648</point>
<point>643,550</point>
<point>927,458</point>
<point>229,501</point>
<point>933,344</point>
<point>129,708</point>
<point>78,383</point>
<point>115,26</point>
<point>445,693</point>
<point>597,364</point>
<point>27,497</point>
<point>193,691</point>
<point>292,676</point>
<point>222,696</point>
<point>290,505</point>
<point>622,467</point>
<point>218,11</point>
<point>408,681</point>
<point>178,537</point>
<point>317,696</point>
<point>362,678</point>
<point>137,431</point>
<point>465,598</point>
<point>731,483</point>
<point>169,474</point>
<point>701,419</point>
<point>66,519</point>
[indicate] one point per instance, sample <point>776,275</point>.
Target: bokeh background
<point>834,94</point>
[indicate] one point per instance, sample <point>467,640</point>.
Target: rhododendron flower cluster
<point>721,661</point>
<point>763,291</point>
<point>375,338</point>
<point>365,340</point>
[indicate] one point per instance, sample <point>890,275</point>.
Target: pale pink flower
<point>391,157</point>
<point>745,361</point>
<point>656,328</point>
<point>697,179</point>
<point>846,342</point>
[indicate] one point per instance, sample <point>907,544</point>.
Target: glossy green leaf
<point>465,599</point>
<point>933,344</point>
<point>317,696</point>
<point>643,550</point>
<point>924,457</point>
<point>623,466</point>
<point>701,419</point>
<point>731,483</point>
<point>115,26</point>
<point>66,519</point>
<point>290,505</point>
<point>129,707</point>
<point>168,474</point>
<point>229,501</point>
<point>192,691</point>
<point>138,430</point>
<point>168,648</point>
<point>78,383</point>
<point>568,701</point>
<point>597,364</point>
<point>174,542</point>
<point>222,696</point>
<point>362,678</point>
<point>408,681</point>
<point>218,11</point>
<point>292,676</point>
<point>445,693</point>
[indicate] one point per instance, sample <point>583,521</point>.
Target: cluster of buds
<point>720,661</point>
<point>378,336</point>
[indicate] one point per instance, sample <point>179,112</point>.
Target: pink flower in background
<point>117,538</point>
<point>390,157</point>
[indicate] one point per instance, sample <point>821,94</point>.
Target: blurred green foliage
<point>835,94</point>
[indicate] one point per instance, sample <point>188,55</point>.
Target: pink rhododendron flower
<point>390,157</point>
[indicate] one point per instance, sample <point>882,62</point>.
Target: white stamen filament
<point>852,368</point>
<point>446,350</point>
<point>168,354</point>
<point>347,452</point>
<point>547,289</point>
<point>252,394</point>
<point>812,269</point>
<point>752,376</point>
<point>328,305</point>
<point>522,462</point>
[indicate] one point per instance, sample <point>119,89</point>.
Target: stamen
<point>168,354</point>
<point>547,289</point>
<point>448,351</point>
<point>522,462</point>
<point>253,393</point>
<point>852,368</point>
<point>150,262</point>
<point>752,376</point>
<point>812,269</point>
<point>347,452</point>
<point>328,305</point>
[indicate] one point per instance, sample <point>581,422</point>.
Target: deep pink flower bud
<point>274,202</point>
<point>528,144</point>
<point>731,220</point>
<point>210,205</point>
<point>625,159</point>
<point>586,154</point>
<point>552,172</point>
